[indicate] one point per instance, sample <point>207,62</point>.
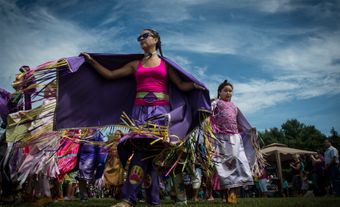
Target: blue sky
<point>282,56</point>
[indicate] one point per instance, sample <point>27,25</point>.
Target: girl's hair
<point>120,132</point>
<point>222,85</point>
<point>159,43</point>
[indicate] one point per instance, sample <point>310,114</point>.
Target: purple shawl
<point>86,99</point>
<point>4,98</point>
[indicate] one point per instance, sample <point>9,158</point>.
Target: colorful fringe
<point>193,150</point>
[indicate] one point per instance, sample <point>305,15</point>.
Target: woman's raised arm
<point>182,85</point>
<point>126,70</point>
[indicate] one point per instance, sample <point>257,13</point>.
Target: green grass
<point>243,202</point>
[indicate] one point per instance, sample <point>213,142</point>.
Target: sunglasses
<point>144,36</point>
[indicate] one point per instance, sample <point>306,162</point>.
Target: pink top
<point>153,79</point>
<point>224,118</point>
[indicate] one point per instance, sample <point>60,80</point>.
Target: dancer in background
<point>91,162</point>
<point>114,171</point>
<point>40,163</point>
<point>234,153</point>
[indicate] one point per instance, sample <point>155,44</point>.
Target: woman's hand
<point>198,87</point>
<point>87,57</point>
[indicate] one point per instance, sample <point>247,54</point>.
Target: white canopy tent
<point>277,152</point>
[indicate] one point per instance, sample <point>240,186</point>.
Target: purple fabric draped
<point>4,98</point>
<point>245,131</point>
<point>86,99</point>
<point>91,159</point>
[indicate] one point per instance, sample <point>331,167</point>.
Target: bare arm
<point>182,85</point>
<point>295,167</point>
<point>126,70</point>
<point>316,160</point>
<point>334,159</point>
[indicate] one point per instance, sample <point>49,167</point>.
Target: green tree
<point>273,135</point>
<point>312,138</point>
<point>292,130</point>
<point>295,134</point>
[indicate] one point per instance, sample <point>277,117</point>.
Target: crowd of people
<point>305,175</point>
<point>166,140</point>
<point>318,173</point>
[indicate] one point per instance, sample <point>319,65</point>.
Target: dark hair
<point>24,68</point>
<point>159,43</point>
<point>120,132</point>
<point>222,85</point>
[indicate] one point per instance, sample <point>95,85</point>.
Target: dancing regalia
<point>4,110</point>
<point>159,117</point>
<point>33,146</point>
<point>4,98</point>
<point>11,103</point>
<point>45,151</point>
<point>236,152</point>
<point>67,153</point>
<point>85,99</point>
<point>41,149</point>
<point>92,158</point>
<point>114,171</point>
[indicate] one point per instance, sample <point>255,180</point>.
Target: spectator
<point>331,156</point>
<point>298,169</point>
<point>317,174</point>
<point>305,183</point>
<point>263,183</point>
<point>285,187</point>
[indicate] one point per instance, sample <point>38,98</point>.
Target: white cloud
<point>117,12</point>
<point>254,86</point>
<point>269,6</point>
<point>182,61</point>
<point>320,8</point>
<point>154,11</point>
<point>212,38</point>
<point>310,63</point>
<point>313,54</point>
<point>251,103</point>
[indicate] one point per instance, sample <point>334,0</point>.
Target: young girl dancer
<point>232,148</point>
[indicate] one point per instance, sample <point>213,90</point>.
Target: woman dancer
<point>151,108</point>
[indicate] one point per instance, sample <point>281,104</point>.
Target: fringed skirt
<point>87,162</point>
<point>148,131</point>
<point>41,158</point>
<point>67,157</point>
<point>114,172</point>
<point>232,165</point>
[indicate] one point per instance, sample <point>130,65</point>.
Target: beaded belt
<point>156,95</point>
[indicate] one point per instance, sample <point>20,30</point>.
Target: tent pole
<point>279,169</point>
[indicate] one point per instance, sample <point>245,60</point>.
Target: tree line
<point>295,134</point>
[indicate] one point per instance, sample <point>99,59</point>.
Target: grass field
<point>244,202</point>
